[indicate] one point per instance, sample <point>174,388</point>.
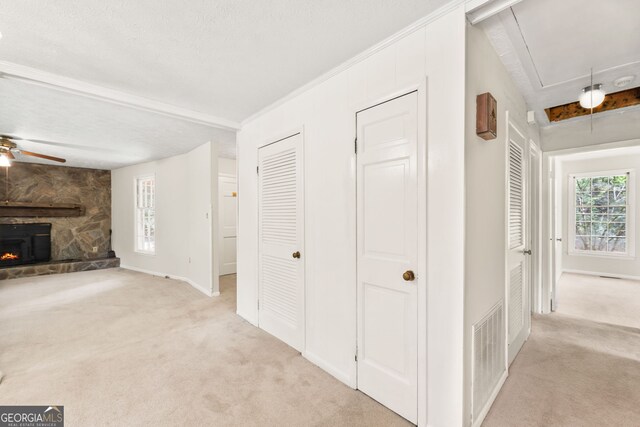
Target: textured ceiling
<point>227,58</point>
<point>224,58</point>
<point>550,46</point>
<point>96,134</point>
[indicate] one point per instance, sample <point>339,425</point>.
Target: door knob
<point>296,254</point>
<point>525,252</point>
<point>408,276</point>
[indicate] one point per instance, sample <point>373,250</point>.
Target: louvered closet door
<point>281,255</point>
<point>517,263</point>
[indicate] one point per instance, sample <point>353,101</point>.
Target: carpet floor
<point>601,299</point>
<point>572,372</point>
<point>117,347</point>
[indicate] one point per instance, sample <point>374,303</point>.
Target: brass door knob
<point>408,276</point>
<point>296,254</point>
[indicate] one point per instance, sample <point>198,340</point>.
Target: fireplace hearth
<point>24,244</point>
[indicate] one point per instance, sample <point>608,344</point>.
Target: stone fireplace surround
<point>73,239</point>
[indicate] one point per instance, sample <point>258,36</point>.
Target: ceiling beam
<point>479,10</point>
<point>612,101</point>
<point>11,71</point>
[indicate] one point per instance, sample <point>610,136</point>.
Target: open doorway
<point>595,273</point>
<point>228,220</point>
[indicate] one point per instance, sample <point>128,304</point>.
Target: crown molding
<point>417,25</point>
<point>12,71</point>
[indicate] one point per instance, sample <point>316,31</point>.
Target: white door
<point>517,250</point>
<point>281,255</point>
<point>387,250</point>
<point>228,220</point>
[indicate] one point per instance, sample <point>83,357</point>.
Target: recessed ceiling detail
<point>549,47</point>
<point>613,101</point>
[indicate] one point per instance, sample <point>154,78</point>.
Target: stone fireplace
<point>24,244</point>
<point>54,219</point>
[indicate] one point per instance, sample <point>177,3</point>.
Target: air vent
<point>488,358</point>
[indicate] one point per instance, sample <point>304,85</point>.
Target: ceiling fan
<point>8,149</point>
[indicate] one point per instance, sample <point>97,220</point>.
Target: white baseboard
<point>481,416</point>
<point>248,319</point>
<point>329,368</point>
<point>171,276</point>
<point>595,273</point>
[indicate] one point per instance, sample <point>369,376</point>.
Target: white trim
<point>481,416</point>
<point>417,25</point>
<point>202,289</point>
<point>337,373</point>
<point>630,235</point>
<point>479,10</point>
<point>9,70</point>
<point>254,322</point>
<point>595,273</point>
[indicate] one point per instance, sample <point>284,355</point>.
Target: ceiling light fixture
<point>4,161</point>
<point>592,96</point>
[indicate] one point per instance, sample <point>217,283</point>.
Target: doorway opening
<point>593,272</point>
<point>228,222</point>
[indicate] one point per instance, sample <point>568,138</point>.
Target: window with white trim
<point>601,213</point>
<point>145,214</point>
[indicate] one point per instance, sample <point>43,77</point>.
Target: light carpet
<point>572,372</point>
<point>117,347</point>
<point>601,299</point>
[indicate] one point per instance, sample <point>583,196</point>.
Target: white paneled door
<point>387,253</point>
<point>228,220</point>
<point>281,255</point>
<point>518,299</point>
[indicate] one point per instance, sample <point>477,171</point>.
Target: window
<point>601,213</point>
<point>146,214</point>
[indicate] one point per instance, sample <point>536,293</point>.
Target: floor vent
<point>488,357</point>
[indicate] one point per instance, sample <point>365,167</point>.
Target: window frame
<point>136,225</point>
<point>630,215</point>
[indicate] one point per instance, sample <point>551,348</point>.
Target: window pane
<point>599,228</point>
<point>583,228</point>
<point>617,197</point>
<point>616,229</point>
<point>583,185</point>
<point>583,243</point>
<point>617,244</point>
<point>599,244</point>
<point>600,199</point>
<point>600,184</point>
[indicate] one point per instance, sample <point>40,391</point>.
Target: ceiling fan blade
<point>10,137</point>
<point>10,155</point>
<point>42,156</point>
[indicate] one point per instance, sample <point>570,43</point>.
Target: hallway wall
<point>326,113</point>
<point>485,180</point>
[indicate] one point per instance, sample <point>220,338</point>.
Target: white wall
<point>608,265</point>
<point>183,224</point>
<point>326,111</point>
<point>485,179</point>
<point>227,166</point>
<point>614,126</point>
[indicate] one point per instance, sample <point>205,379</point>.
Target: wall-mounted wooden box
<point>486,116</point>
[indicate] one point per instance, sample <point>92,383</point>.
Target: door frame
<point>535,225</point>
<point>422,94</point>
<point>226,177</point>
<point>265,142</point>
